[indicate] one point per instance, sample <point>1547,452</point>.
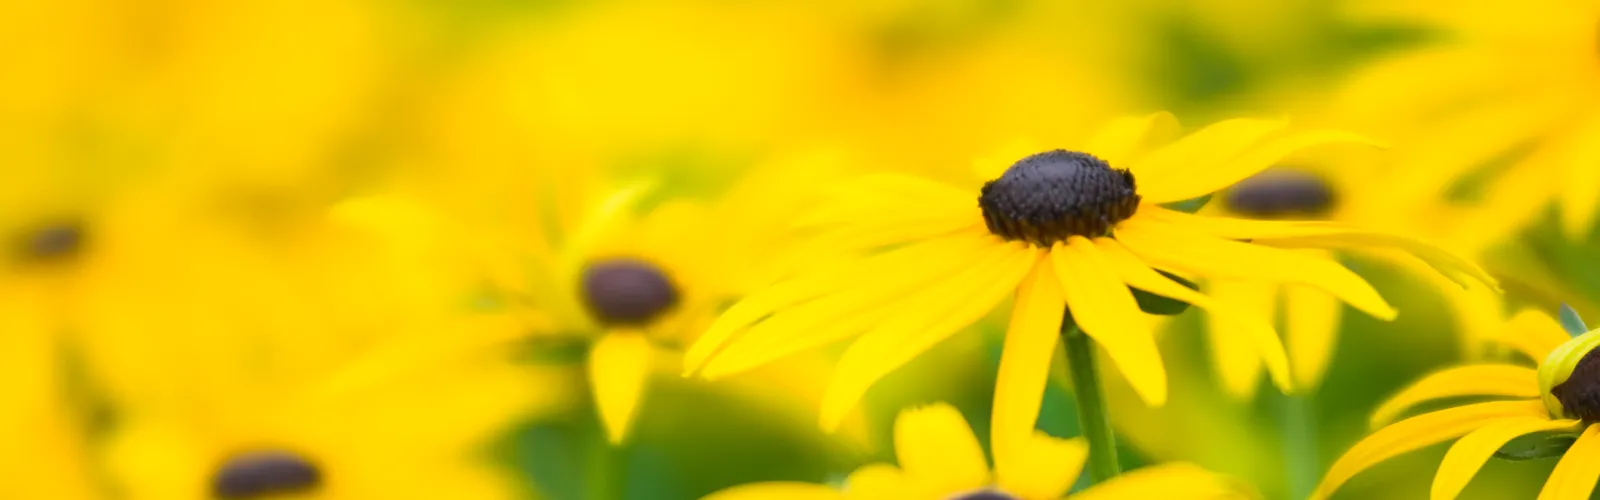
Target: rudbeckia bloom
<point>1556,397</point>
<point>908,262</point>
<point>1522,126</point>
<point>940,458</point>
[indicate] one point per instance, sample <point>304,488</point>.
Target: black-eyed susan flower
<point>940,458</point>
<point>1506,135</point>
<point>1556,398</point>
<point>906,263</point>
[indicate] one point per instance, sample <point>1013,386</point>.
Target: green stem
<point>1093,419</point>
<point>1299,445</point>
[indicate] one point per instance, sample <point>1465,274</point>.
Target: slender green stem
<point>1093,419</point>
<point>1299,445</point>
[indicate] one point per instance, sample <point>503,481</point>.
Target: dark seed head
<point>626,292</point>
<point>1280,193</point>
<point>261,474</point>
<point>983,495</point>
<point>1051,196</point>
<point>1580,394</point>
<point>53,242</point>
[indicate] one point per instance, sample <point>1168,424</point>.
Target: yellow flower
<point>1520,108</point>
<point>1542,400</point>
<point>907,262</point>
<point>238,369</point>
<point>940,458</point>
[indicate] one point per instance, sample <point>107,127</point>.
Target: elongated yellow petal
<point>1324,234</point>
<point>1202,179</point>
<point>1106,311</point>
<point>920,322</point>
<point>1531,332</point>
<point>1202,150</point>
<point>1473,380</point>
<point>1311,329</point>
<point>1580,184</point>
<point>887,197</point>
<point>619,368</point>
<point>908,266</point>
<point>1051,467</point>
<point>602,220</point>
<point>1178,480</point>
<point>1234,358</point>
<point>1253,325</point>
<point>1177,247</point>
<point>881,481</point>
<point>1469,454</point>
<point>1025,365</point>
<point>1119,141</point>
<point>1576,473</point>
<point>777,491</point>
<point>1418,432</point>
<point>936,447</point>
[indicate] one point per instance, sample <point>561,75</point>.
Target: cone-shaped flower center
<point>1569,378</point>
<point>984,495</point>
<point>627,292</point>
<point>262,474</point>
<point>1051,196</point>
<point>1281,193</point>
<point>53,242</point>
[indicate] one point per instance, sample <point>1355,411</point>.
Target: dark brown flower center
<point>53,242</point>
<point>1051,196</point>
<point>1280,193</point>
<point>264,473</point>
<point>984,495</point>
<point>627,292</point>
<point>1580,393</point>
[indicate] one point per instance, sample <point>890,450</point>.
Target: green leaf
<point>1536,446</point>
<point>1189,206</point>
<point>1571,322</point>
<point>1156,304</point>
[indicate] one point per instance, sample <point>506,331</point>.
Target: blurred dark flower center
<point>1580,394</point>
<point>1280,193</point>
<point>1051,196</point>
<point>984,495</point>
<point>627,292</point>
<point>53,242</point>
<point>264,473</point>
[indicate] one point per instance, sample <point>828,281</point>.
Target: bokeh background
<point>263,224</point>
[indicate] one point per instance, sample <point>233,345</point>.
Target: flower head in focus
<point>940,458</point>
<point>905,263</point>
<point>1555,398</point>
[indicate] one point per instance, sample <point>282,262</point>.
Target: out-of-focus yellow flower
<point>1511,128</point>
<point>238,368</point>
<point>1065,230</point>
<point>939,458</point>
<point>46,456</point>
<point>1555,397</point>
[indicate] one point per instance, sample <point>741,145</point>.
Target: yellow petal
<point>1119,141</point>
<point>935,446</point>
<point>1580,184</point>
<point>1579,468</point>
<point>892,272</point>
<point>1532,332</point>
<point>1311,329</point>
<point>619,368</point>
<point>1233,357</point>
<point>777,491</point>
<point>1204,149</point>
<point>1025,365</point>
<point>1474,380</point>
<point>880,481</point>
<point>1105,309</point>
<point>1048,467</point>
<point>992,165</point>
<point>600,221</point>
<point>1469,454</point>
<point>1255,325</point>
<point>920,322</point>
<point>1179,247</point>
<point>1323,234</point>
<point>1202,179</point>
<point>1177,480</point>
<point>1418,432</point>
